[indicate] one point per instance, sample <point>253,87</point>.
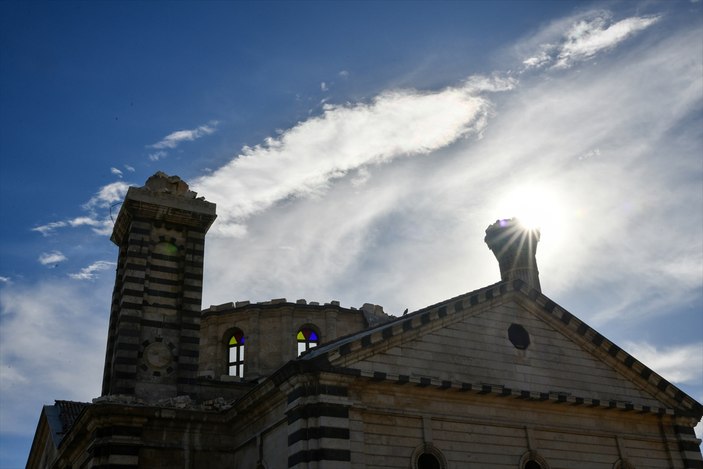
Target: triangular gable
<point>462,343</point>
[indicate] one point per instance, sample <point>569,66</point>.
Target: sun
<point>537,207</point>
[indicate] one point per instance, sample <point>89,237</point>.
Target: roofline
<point>35,440</point>
<point>349,338</point>
<point>595,342</point>
<point>241,307</point>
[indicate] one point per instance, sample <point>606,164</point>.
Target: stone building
<point>500,377</point>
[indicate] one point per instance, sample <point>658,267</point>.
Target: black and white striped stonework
<point>318,425</point>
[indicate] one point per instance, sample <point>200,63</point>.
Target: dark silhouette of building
<point>500,377</point>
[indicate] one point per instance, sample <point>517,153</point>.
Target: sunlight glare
<point>536,208</point>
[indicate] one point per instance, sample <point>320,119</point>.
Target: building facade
<point>501,377</point>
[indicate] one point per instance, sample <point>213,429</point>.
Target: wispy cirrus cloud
<point>390,190</point>
<point>107,195</point>
<point>103,199</point>
<point>91,272</point>
<point>84,221</point>
<point>302,161</point>
<point>677,363</point>
<point>43,349</point>
<point>582,38</point>
<point>587,38</point>
<point>157,155</point>
<point>49,228</point>
<point>51,258</point>
<point>174,139</point>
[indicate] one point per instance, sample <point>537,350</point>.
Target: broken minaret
<point>515,246</point>
<point>153,335</point>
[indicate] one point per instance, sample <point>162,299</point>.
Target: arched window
<point>533,460</point>
<point>428,461</point>
<point>236,354</point>
<point>428,456</point>
<point>308,337</point>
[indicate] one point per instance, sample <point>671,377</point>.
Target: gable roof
<point>61,417</point>
<point>55,421</point>
<point>341,353</point>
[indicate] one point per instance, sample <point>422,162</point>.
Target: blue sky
<point>356,151</point>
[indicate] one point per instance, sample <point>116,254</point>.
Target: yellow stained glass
<point>300,336</point>
<point>233,341</point>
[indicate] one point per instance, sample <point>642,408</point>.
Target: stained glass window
<point>236,354</point>
<point>307,339</point>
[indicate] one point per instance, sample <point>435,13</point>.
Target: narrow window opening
<point>307,338</point>
<point>532,464</point>
<point>236,354</point>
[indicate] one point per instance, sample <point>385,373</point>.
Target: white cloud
<point>581,37</point>
<point>107,195</point>
<point>386,205</point>
<point>84,221</point>
<point>343,74</point>
<point>323,86</point>
<point>537,61</point>
<point>362,176</point>
<point>677,363</point>
<point>174,139</point>
<point>303,161</point>
<point>91,272</point>
<point>156,156</point>
<point>116,172</point>
<point>587,38</point>
<point>53,257</point>
<point>49,228</point>
<point>104,227</point>
<point>50,340</point>
<point>129,168</point>
<point>5,279</point>
<point>104,198</point>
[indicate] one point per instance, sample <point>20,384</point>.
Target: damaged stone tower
<point>153,337</point>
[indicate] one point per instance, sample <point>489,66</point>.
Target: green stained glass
<point>166,248</point>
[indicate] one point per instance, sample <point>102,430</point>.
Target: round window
<point>519,337</point>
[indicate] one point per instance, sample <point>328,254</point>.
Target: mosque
<point>499,377</point>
